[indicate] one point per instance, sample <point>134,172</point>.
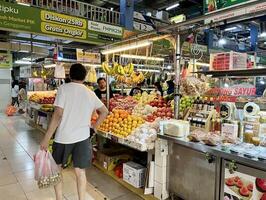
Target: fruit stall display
<point>125,103</point>
<point>42,97</point>
<point>135,121</point>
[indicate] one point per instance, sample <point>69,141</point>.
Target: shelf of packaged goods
<point>235,73</point>
<point>137,191</point>
<point>124,141</point>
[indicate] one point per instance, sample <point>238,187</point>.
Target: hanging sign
<point>88,57</point>
<point>111,30</point>
<point>15,17</point>
<point>256,7</point>
<point>63,25</point>
<point>5,60</point>
<point>214,5</point>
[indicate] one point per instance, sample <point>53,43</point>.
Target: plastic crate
<point>228,61</point>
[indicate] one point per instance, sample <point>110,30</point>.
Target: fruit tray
<point>126,142</point>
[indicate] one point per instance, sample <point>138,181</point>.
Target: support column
<point>127,13</point>
<point>209,38</point>
<point>177,75</point>
<point>254,34</point>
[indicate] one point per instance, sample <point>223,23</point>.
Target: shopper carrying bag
<point>71,123</point>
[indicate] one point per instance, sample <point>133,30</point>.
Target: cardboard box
<point>108,158</point>
<point>134,174</point>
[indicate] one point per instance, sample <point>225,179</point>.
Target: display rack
<point>137,191</point>
<point>124,141</point>
<point>31,118</point>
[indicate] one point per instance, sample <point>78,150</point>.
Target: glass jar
<point>248,135</point>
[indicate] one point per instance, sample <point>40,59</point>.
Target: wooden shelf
<point>236,73</point>
<point>137,191</point>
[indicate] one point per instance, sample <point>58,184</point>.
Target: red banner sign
<point>239,91</point>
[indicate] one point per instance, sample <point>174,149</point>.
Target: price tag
<point>114,138</point>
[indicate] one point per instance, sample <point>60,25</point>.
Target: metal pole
<point>177,75</point>
<point>107,85</point>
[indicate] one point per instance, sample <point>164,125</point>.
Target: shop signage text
<point>258,7</point>
<point>83,56</point>
<point>105,28</point>
<point>238,91</point>
<point>19,18</point>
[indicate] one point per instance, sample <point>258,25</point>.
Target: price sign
<point>114,138</point>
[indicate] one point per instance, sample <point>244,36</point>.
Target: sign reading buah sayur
<point>19,18</point>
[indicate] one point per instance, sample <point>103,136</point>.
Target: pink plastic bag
<point>46,172</point>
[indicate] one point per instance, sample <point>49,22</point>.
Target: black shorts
<point>81,153</point>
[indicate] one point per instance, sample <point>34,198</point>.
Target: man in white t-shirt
<point>74,105</point>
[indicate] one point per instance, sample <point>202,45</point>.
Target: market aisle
<point>18,144</point>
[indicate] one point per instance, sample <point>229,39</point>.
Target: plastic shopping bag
<point>11,110</point>
<point>47,172</point>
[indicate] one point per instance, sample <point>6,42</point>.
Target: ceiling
<point>195,7</point>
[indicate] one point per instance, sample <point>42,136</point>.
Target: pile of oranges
<point>121,123</point>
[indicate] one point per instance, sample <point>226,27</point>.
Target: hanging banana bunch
<point>106,68</point>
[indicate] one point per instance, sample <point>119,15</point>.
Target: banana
<point>122,71</point>
<point>131,68</point>
<point>115,68</point>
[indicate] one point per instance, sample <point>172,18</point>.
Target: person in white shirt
<point>74,105</point>
<point>14,93</point>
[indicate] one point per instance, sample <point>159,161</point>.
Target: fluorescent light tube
<point>141,57</point>
<point>50,66</point>
<point>263,34</point>
<point>23,62</point>
<point>149,70</point>
<point>127,47</point>
<point>172,6</point>
<point>230,28</point>
<point>24,4</point>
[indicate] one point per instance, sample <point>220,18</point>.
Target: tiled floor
<point>18,144</point>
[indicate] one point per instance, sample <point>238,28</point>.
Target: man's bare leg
<point>81,182</point>
<point>59,187</point>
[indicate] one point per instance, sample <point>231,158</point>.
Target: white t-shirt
<point>78,103</point>
<point>14,91</point>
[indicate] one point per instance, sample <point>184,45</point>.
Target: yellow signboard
<point>5,60</point>
<point>88,57</point>
<point>61,19</point>
<point>64,31</point>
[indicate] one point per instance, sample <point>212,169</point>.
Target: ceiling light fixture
<point>141,57</point>
<point>23,62</point>
<point>172,6</point>
<point>222,41</point>
<point>149,70</point>
<point>263,34</point>
<point>230,28</point>
<point>24,4</point>
<point>50,66</point>
<point>127,47</point>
